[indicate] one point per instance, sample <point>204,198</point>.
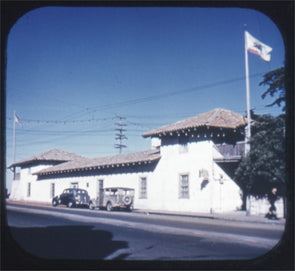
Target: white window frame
<point>52,190</point>
<point>143,188</point>
<point>29,190</point>
<point>74,185</point>
<point>184,192</point>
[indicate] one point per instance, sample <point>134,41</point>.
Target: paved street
<point>62,233</point>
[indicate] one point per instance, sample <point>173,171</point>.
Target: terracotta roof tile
<point>90,163</point>
<point>50,155</point>
<point>216,118</point>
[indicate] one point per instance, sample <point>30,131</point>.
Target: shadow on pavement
<point>67,242</point>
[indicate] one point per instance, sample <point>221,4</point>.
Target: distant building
<point>188,168</point>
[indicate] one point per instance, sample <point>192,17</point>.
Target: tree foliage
<point>264,167</point>
<point>276,86</point>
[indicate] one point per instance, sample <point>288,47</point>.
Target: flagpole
<point>248,129</point>
<point>13,137</point>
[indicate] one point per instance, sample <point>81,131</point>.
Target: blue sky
<point>71,71</point>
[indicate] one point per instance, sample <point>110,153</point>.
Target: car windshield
<point>119,191</point>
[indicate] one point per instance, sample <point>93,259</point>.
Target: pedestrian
<point>272,197</point>
<point>6,193</point>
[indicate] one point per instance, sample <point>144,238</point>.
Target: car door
<point>109,196</point>
<point>63,196</point>
<point>67,197</point>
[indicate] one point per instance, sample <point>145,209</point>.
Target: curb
<point>245,219</point>
<point>206,216</point>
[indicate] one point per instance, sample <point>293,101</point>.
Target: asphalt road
<point>62,233</point>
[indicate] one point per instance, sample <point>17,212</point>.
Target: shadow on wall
<point>67,242</point>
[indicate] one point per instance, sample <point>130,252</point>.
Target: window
<point>183,144</point>
<point>16,176</point>
<point>143,188</point>
<point>74,185</point>
<point>99,191</point>
<point>29,190</point>
<point>184,187</point>
<point>52,190</point>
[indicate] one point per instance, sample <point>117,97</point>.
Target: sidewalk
<point>240,216</point>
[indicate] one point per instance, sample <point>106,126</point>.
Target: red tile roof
<point>101,162</point>
<point>55,155</point>
<point>216,118</point>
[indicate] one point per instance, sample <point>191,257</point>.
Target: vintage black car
<point>72,197</point>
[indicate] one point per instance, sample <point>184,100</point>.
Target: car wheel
<point>130,208</point>
<point>109,207</point>
<point>91,206</point>
<point>70,204</point>
<point>127,200</point>
<point>54,203</point>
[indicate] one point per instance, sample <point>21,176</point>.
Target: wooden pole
<point>13,138</point>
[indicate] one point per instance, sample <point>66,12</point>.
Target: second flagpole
<point>13,137</point>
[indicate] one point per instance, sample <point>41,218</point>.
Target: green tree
<point>264,167</point>
<point>276,86</point>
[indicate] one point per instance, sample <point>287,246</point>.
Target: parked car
<point>114,198</point>
<point>72,197</point>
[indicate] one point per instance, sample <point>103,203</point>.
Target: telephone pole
<point>120,134</point>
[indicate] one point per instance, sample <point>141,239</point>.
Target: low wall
<point>260,206</point>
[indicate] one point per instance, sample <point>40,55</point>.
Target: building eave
<point>97,164</point>
<point>227,160</point>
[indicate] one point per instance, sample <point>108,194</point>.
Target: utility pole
<point>120,134</point>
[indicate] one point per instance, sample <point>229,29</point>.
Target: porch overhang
<point>228,164</point>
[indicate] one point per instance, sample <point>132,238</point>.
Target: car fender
<point>56,198</point>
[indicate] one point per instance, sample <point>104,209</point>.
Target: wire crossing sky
<point>72,70</point>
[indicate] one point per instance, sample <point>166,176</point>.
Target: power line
<point>128,102</point>
<point>141,117</point>
<point>162,95</point>
<point>61,121</point>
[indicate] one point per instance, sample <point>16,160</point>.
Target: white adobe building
<point>181,172</point>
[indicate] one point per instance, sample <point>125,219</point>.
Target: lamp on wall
<point>221,180</point>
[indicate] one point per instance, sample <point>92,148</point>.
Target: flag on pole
<point>257,47</point>
<point>17,120</point>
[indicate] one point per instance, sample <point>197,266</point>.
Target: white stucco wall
<point>19,188</point>
<point>41,189</point>
<point>162,184</point>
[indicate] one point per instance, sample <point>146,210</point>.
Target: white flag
<point>17,120</point>
<point>257,47</point>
